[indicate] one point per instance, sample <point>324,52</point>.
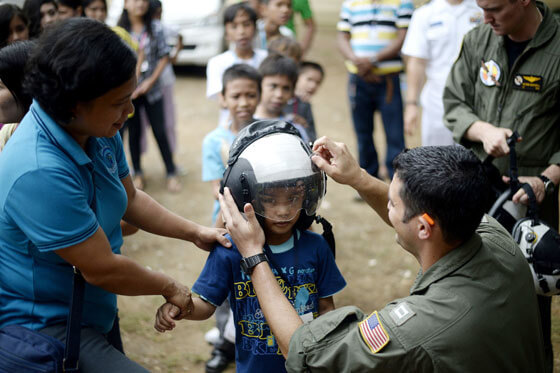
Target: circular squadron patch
<point>490,73</point>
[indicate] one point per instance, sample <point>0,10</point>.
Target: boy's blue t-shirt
<point>47,203</point>
<point>215,147</point>
<point>308,272</point>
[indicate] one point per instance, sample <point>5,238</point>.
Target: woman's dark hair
<point>77,60</point>
<point>7,13</point>
<point>124,21</point>
<point>231,12</point>
<point>32,8</point>
<point>13,59</point>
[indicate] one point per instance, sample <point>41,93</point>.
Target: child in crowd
<point>40,14</point>
<point>240,95</point>
<point>69,9</point>
<point>274,15</point>
<point>13,24</point>
<point>287,47</point>
<point>279,76</point>
<point>275,172</point>
<point>95,9</point>
<point>167,83</point>
<point>310,78</point>
<point>240,27</point>
<point>138,21</point>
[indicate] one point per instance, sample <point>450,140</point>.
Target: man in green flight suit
<point>507,78</point>
<point>468,309</point>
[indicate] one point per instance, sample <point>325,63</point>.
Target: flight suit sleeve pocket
<point>335,321</point>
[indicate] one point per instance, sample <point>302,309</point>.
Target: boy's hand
<point>246,233</point>
<point>165,317</point>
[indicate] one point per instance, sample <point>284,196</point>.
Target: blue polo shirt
<point>46,199</point>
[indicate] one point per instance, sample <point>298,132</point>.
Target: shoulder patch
<point>373,333</point>
<point>401,313</point>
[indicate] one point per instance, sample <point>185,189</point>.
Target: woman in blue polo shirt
<point>65,187</point>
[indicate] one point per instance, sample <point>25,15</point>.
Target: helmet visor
<point>283,200</point>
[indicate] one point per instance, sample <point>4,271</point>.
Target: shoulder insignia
<point>373,333</point>
<point>401,313</point>
<point>490,73</point>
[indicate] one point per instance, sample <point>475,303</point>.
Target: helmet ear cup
<point>239,179</point>
<point>517,230</point>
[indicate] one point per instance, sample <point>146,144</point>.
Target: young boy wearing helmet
<point>269,166</point>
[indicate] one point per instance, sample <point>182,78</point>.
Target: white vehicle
<point>199,22</point>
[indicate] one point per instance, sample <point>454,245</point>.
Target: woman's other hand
<point>207,237</point>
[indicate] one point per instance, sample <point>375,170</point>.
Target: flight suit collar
<point>454,260</point>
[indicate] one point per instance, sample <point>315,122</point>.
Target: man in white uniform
<point>432,44</point>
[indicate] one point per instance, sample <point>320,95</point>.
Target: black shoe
<point>218,362</point>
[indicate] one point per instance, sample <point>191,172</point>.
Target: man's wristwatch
<point>248,264</point>
<point>548,184</point>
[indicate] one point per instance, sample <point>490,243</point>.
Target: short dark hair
<point>7,13</point>
<point>231,12</point>
<point>241,71</point>
<point>446,182</point>
<point>13,59</point>
<point>74,4</point>
<point>77,60</point>
<point>32,8</point>
<point>310,65</point>
<point>276,64</point>
<point>286,46</point>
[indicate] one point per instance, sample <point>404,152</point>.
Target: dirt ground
<point>376,268</point>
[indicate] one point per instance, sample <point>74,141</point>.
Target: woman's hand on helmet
<point>245,232</point>
<point>207,237</point>
<point>335,159</point>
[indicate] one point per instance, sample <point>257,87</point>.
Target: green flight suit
<point>526,99</point>
<point>470,312</point>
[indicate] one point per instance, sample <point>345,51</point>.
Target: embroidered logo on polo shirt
<point>401,313</point>
<point>108,159</point>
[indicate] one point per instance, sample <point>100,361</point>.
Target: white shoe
<point>212,336</point>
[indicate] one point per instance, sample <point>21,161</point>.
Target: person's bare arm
<point>121,275</point>
<point>393,49</point>
<point>326,305</point>
<point>308,34</point>
<point>335,159</point>
<point>493,139</point>
<point>177,49</point>
<point>363,64</point>
<point>415,79</point>
<point>149,82</point>
<point>168,313</point>
<point>145,213</point>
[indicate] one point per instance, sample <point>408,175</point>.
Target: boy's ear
<point>222,100</point>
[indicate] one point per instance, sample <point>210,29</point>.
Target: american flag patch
<point>373,333</point>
